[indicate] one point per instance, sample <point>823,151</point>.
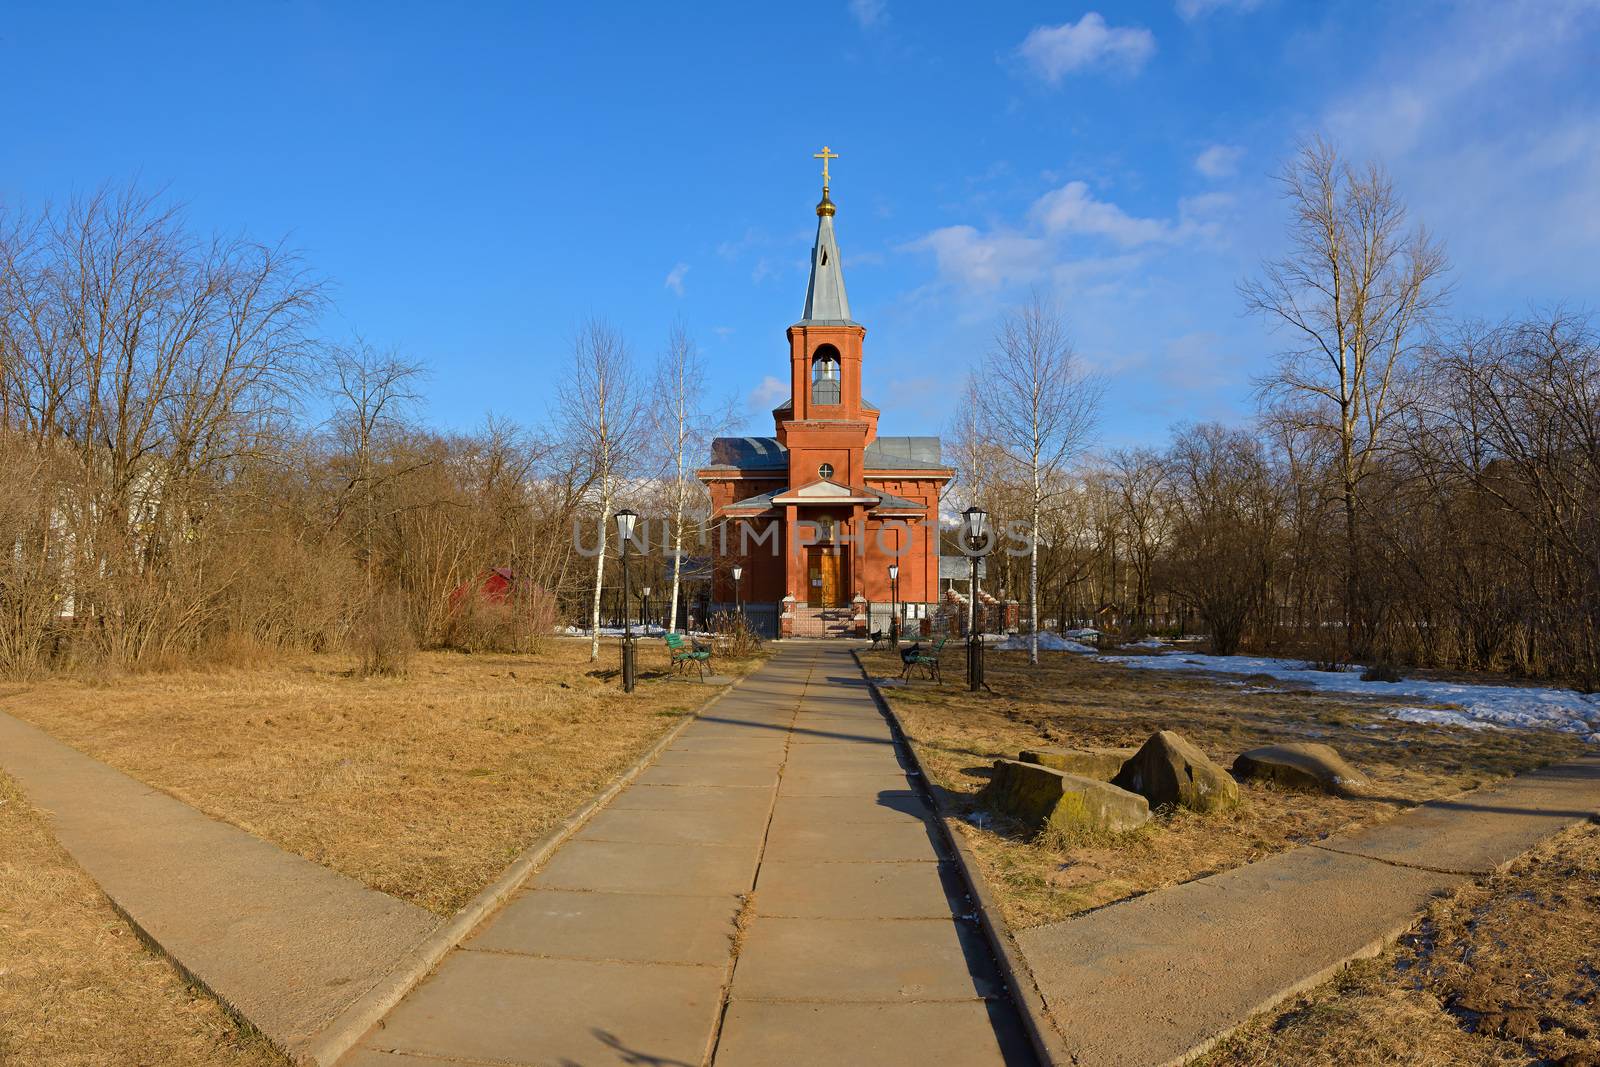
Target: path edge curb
<point>1046,1039</point>
<point>346,1030</point>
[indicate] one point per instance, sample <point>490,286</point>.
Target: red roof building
<point>816,513</point>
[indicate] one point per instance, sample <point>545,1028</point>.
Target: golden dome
<point>826,206</point>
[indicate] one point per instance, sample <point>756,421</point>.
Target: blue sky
<point>477,179</point>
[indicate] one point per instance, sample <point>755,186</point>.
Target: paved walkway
<point>287,943</point>
<point>1155,979</point>
<point>769,892</point>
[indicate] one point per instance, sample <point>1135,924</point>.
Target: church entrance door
<point>823,578</point>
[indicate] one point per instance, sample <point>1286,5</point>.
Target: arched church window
<point>825,385</point>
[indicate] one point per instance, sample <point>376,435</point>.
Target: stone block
<point>1171,770</point>
<point>1101,764</point>
<point>1042,796</point>
<point>1306,766</point>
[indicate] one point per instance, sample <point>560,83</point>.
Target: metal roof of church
<point>904,453</point>
<point>884,453</point>
<point>788,405</point>
<point>885,501</point>
<point>826,303</point>
<point>749,453</point>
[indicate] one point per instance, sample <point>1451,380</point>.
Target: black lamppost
<point>974,532</point>
<point>894,601</point>
<point>645,621</point>
<point>625,521</point>
<point>738,604</point>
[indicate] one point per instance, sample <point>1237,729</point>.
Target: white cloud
<point>984,261</point>
<point>723,332</point>
<point>1056,51</point>
<point>1194,9</point>
<point>979,260</point>
<point>769,393</point>
<point>675,278</point>
<point>869,13</point>
<point>1488,128</point>
<point>1072,209</point>
<point>1219,161</point>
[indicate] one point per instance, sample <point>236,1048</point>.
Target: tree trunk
<point>1033,577</point>
<point>599,576</point>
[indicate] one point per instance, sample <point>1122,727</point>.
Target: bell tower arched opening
<point>826,377</point>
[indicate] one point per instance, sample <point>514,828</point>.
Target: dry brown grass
<point>1074,701</point>
<point>1501,972</point>
<point>77,988</point>
<point>423,786</point>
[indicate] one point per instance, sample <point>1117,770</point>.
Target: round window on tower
<point>826,470</point>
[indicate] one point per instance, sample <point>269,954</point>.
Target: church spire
<point>825,299</point>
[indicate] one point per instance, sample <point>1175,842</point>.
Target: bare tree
<point>1137,477</point>
<point>1038,405</point>
<point>372,391</point>
<point>600,406</point>
<point>682,425</point>
<point>1227,510</point>
<point>1355,293</point>
<point>160,361</point>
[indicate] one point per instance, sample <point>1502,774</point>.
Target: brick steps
<point>822,622</point>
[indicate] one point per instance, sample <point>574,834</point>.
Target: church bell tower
<point>826,411</point>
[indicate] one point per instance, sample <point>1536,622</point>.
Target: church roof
<point>749,454</point>
<point>884,453</point>
<point>826,304</point>
<point>904,453</point>
<point>788,405</point>
<point>757,504</point>
<point>824,491</point>
<point>890,502</point>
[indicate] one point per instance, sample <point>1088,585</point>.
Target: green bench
<point>927,659</point>
<point>685,652</point>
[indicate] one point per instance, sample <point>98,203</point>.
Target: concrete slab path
<point>286,943</point>
<point>1157,979</point>
<point>770,891</point>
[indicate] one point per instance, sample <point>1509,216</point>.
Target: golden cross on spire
<point>824,155</point>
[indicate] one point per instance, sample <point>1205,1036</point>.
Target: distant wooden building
<point>491,587</point>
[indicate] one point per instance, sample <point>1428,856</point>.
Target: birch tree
<point>683,425</point>
<point>1038,405</point>
<point>600,407</point>
<point>1355,295</point>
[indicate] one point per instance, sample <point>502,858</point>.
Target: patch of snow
<point>1149,642</point>
<point>1048,642</point>
<point>1497,705</point>
<point>1439,717</point>
<point>638,631</point>
<point>884,682</point>
<point>1087,633</point>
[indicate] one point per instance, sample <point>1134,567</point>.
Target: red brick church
<point>815,514</point>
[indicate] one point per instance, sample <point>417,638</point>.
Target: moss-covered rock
<point>1040,796</point>
<point>1168,769</point>
<point>1305,766</point>
<point>1101,764</point>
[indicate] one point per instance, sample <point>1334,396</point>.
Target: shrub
<point>522,622</point>
<point>1382,671</point>
<point>734,631</point>
<point>382,636</point>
